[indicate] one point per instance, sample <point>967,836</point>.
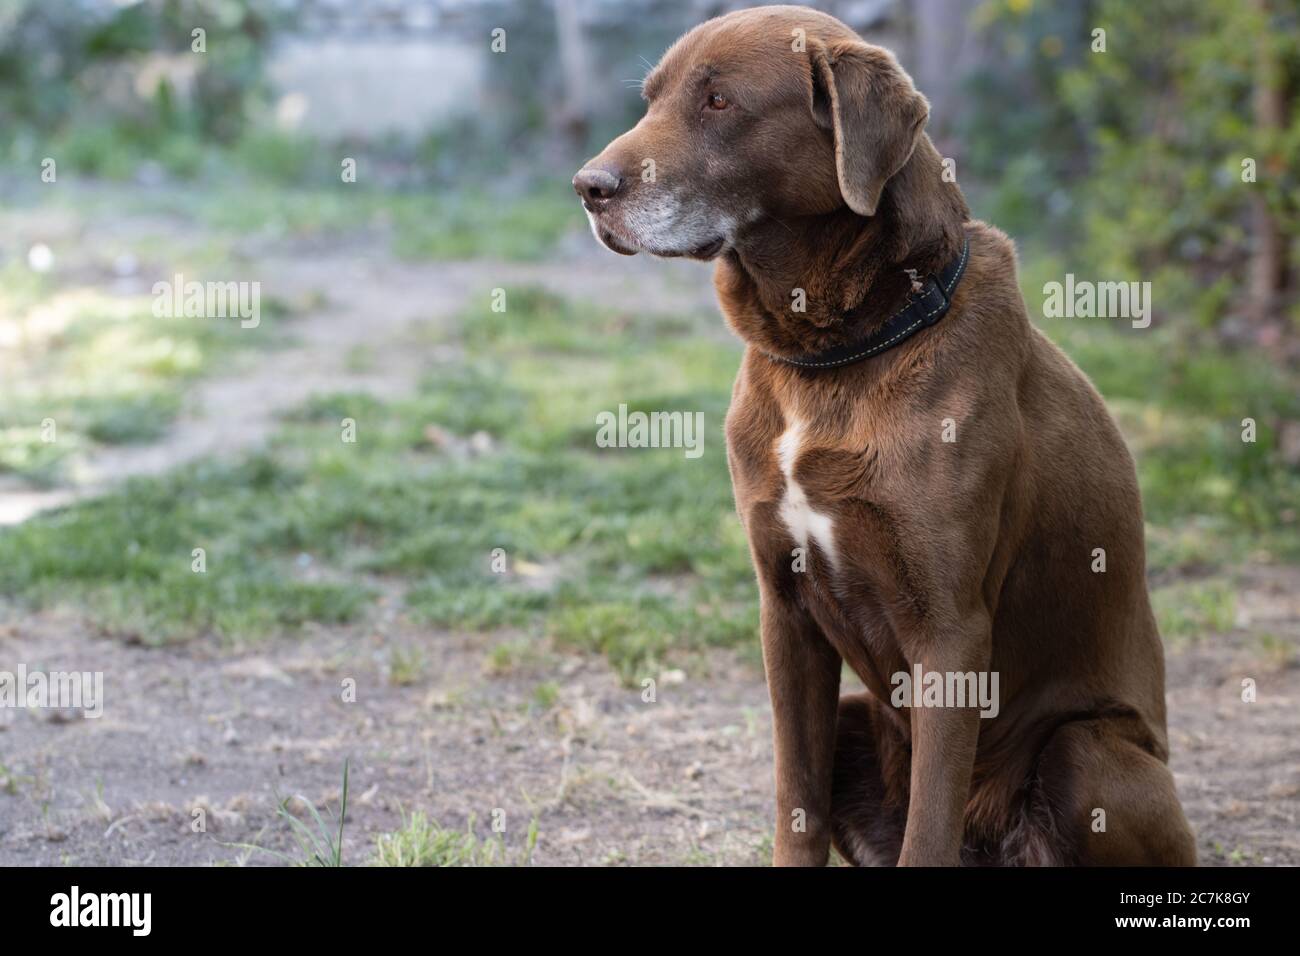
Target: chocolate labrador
<point>933,493</point>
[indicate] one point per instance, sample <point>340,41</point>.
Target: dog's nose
<point>596,185</point>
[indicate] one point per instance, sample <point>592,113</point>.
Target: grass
<point>545,695</point>
<point>421,841</point>
<point>635,554</point>
<point>512,656</point>
<point>450,223</point>
<point>521,222</point>
<point>81,368</point>
<point>648,559</point>
<point>406,666</point>
<point>1189,611</point>
<point>127,558</point>
<point>319,844</point>
<point>279,185</point>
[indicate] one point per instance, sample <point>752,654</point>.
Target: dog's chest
<point>805,523</point>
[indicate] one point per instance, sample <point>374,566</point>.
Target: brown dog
<point>946,501</point>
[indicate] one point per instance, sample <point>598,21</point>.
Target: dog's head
<point>774,111</point>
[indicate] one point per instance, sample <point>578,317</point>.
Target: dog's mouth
<point>611,242</point>
<point>704,253</point>
<point>625,246</point>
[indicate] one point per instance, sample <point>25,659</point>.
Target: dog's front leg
<point>803,678</point>
<point>943,753</point>
<point>944,741</point>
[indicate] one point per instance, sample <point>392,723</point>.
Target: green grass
<point>421,841</point>
<point>512,656</point>
<point>646,559</point>
<point>1189,611</point>
<point>319,843</point>
<point>478,224</point>
<point>632,553</point>
<point>522,223</point>
<point>281,186</point>
<point>406,666</point>
<point>545,695</point>
<point>86,369</point>
<point>127,558</point>
<point>267,177</point>
<point>427,225</point>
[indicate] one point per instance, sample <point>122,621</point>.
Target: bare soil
<point>608,777</point>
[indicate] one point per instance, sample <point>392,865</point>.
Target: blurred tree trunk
<point>1268,262</point>
<point>574,115</point>
<point>945,48</point>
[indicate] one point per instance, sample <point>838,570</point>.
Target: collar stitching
<point>881,346</point>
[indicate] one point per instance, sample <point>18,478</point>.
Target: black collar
<point>921,311</point>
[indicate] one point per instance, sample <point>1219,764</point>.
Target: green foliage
<point>1021,157</point>
<point>132,419</point>
<point>56,58</point>
<point>1170,121</point>
<point>1142,145</point>
<point>281,159</point>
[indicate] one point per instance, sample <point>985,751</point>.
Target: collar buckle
<point>933,301</point>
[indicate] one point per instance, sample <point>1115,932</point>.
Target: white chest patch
<point>796,512</point>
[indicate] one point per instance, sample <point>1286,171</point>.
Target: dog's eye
<point>718,102</point>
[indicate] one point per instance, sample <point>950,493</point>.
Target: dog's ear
<point>874,111</point>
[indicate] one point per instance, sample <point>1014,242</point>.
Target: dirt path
<point>609,777</point>
<point>383,309</point>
